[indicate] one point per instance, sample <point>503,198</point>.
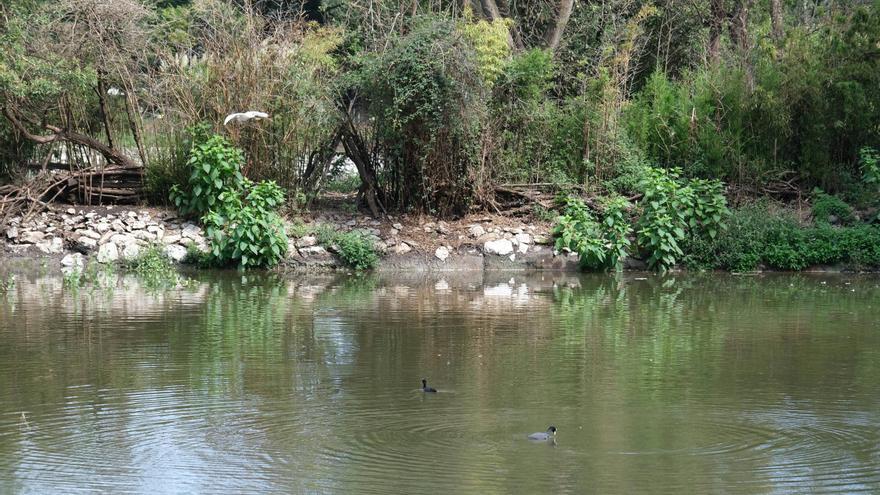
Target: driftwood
<point>520,199</point>
<point>112,184</point>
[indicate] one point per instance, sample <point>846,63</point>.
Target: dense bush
<point>673,210</point>
<point>805,108</point>
<point>757,238</point>
<point>825,206</point>
<point>425,94</point>
<point>239,216</point>
<point>601,243</point>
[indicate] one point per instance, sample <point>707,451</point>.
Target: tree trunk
<point>739,34</point>
<point>739,25</point>
<point>131,106</point>
<point>357,151</point>
<point>554,35</point>
<point>102,106</point>
<point>776,19</point>
<point>716,24</point>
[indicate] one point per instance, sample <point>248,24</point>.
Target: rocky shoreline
<point>73,235</point>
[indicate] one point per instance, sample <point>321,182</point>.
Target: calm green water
<point>261,384</point>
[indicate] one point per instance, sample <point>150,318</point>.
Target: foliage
<point>170,164</point>
<point>489,39</point>
<point>527,76</point>
<point>215,167</point>
<point>424,94</point>
<point>825,206</point>
<point>869,159</point>
<point>672,210</point>
<point>601,244</point>
<point>758,238</point>
<point>93,275</point>
<point>154,268</point>
<point>247,230</point>
<point>239,216</point>
<point>356,250</point>
<point>7,284</point>
<point>806,108</point>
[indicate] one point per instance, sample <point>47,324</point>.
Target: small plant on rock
<point>154,268</point>
<point>356,250</point>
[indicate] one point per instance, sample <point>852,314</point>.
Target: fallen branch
<point>112,155</point>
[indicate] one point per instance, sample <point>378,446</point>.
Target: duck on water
<point>544,436</point>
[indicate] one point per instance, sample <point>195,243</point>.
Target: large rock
<point>401,248</point>
<point>130,251</point>
<point>307,241</point>
<point>442,253</point>
<point>86,244</point>
<point>542,239</point>
<point>312,251</point>
<point>176,252</point>
<point>171,238</point>
<point>137,224</point>
<point>51,246</point>
<point>102,227</point>
<point>501,247</point>
<point>523,238</point>
<point>191,231</point>
<point>31,237</point>
<point>73,260</point>
<point>123,239</point>
<point>143,235</point>
<point>476,231</point>
<point>108,253</point>
<point>12,232</point>
<point>88,233</point>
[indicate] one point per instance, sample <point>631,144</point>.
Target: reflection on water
<point>260,383</point>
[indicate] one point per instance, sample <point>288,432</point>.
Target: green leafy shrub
<point>663,221</point>
<point>215,168</point>
<point>247,230</point>
<point>599,244</point>
<point>239,216</point>
<point>869,159</point>
<point>826,205</point>
<point>356,250</point>
<point>673,210</point>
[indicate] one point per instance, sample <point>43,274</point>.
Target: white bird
<point>245,116</point>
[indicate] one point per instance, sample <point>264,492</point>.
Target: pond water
<point>310,384</point>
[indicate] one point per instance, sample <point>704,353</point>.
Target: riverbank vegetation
<point>708,133</point>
